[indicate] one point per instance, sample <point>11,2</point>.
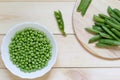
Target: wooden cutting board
<point>79,23</point>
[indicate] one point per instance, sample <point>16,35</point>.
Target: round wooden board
<point>79,23</point>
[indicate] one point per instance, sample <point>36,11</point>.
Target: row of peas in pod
<point>30,50</point>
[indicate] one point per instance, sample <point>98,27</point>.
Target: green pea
<point>28,50</point>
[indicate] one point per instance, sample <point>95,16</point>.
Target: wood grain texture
<point>12,13</point>
<point>70,74</point>
<point>37,0</point>
<point>80,23</point>
<point>72,54</point>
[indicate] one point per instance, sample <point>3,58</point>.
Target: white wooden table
<point>73,61</point>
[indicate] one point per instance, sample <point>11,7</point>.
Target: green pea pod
<point>116,11</point>
<point>92,30</point>
<point>57,15</point>
<point>108,26</point>
<point>109,10</point>
<point>60,22</point>
<point>115,32</point>
<point>86,5</point>
<point>104,16</point>
<point>112,14</point>
<point>94,38</point>
<point>110,23</point>
<point>98,28</point>
<point>114,21</point>
<point>109,18</point>
<point>103,45</point>
<point>62,29</point>
<point>115,17</point>
<point>110,33</point>
<point>98,19</point>
<point>99,24</point>
<point>102,24</point>
<point>110,42</point>
<point>105,35</point>
<point>81,5</point>
<point>60,14</point>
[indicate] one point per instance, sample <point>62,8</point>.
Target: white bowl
<point>6,57</point>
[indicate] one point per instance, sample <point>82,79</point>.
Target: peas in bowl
<point>29,50</point>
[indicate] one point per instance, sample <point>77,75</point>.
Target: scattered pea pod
<point>86,5</point>
<point>83,6</point>
<point>60,22</point>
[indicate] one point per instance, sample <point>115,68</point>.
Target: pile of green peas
<point>30,50</point>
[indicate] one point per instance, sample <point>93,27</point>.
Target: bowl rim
<point>50,33</point>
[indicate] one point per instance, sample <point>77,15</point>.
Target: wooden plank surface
<point>72,54</point>
<point>71,74</point>
<point>12,13</point>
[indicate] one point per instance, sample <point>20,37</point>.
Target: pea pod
<point>81,5</point>
<point>99,24</point>
<point>110,23</point>
<point>112,14</point>
<point>114,21</point>
<point>94,38</point>
<point>98,28</point>
<point>60,22</point>
<point>115,32</point>
<point>103,45</point>
<point>115,17</point>
<point>104,16</point>
<point>98,19</point>
<point>92,30</point>
<point>116,11</point>
<point>110,18</point>
<point>110,32</point>
<point>110,42</point>
<point>109,10</point>
<point>86,5</point>
<point>105,35</point>
<point>108,26</point>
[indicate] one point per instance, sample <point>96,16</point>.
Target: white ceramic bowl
<point>6,57</point>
